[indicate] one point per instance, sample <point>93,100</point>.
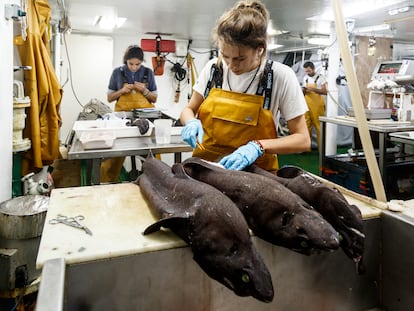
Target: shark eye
<point>286,217</point>
<point>245,278</point>
<point>301,231</point>
<point>304,244</point>
<point>234,249</point>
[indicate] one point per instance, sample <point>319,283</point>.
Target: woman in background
<point>133,86</point>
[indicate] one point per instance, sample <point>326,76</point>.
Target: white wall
<point>6,103</point>
<point>86,67</point>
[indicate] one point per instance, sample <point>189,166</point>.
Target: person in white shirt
<point>314,88</point>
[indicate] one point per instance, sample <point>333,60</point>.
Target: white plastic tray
<point>117,127</point>
<point>97,140</point>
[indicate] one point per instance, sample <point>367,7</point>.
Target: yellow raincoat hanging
<point>43,88</point>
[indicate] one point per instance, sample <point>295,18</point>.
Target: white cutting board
<point>117,214</point>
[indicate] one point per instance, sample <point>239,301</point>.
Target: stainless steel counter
<point>381,126</point>
<point>118,268</point>
<point>128,146</point>
<point>403,137</point>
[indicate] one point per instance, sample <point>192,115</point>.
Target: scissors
<point>71,221</point>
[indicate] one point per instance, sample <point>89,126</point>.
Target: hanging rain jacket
<point>43,88</point>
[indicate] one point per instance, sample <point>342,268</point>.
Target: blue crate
<point>348,172</point>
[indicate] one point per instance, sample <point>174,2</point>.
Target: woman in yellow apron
<point>133,86</point>
<point>231,117</point>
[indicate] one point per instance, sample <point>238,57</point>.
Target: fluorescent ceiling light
<point>319,41</point>
<point>374,28</point>
<point>275,32</point>
<point>273,46</point>
<point>354,9</point>
<point>271,31</point>
<point>105,22</point>
<point>120,21</point>
<point>399,10</point>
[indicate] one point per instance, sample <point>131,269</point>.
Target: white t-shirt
<point>287,96</point>
<point>320,80</point>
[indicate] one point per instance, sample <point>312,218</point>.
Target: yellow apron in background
<point>316,106</point>
<point>132,100</point>
<point>232,119</point>
<point>111,168</point>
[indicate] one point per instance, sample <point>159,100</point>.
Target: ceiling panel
<point>194,19</point>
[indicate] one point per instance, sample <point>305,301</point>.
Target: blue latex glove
<point>242,157</point>
<point>192,130</point>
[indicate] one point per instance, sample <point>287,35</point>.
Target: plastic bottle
<point>395,107</point>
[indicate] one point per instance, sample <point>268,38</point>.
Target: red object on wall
<point>150,45</point>
<point>158,63</point>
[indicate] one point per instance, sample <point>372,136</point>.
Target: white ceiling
<point>194,19</point>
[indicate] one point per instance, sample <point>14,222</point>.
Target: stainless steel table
<point>403,137</point>
<point>383,127</point>
<point>137,267</point>
<point>128,146</point>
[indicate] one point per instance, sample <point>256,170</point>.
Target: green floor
<point>308,161</point>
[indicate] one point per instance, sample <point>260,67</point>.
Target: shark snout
<point>317,233</point>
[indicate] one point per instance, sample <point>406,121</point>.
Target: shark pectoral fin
<point>179,171</point>
<point>166,223</point>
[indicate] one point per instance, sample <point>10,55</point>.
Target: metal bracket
<point>13,11</point>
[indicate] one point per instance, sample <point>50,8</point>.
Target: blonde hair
<point>244,24</point>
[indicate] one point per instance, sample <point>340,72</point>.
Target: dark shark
<point>273,212</point>
<point>211,224</point>
<point>330,203</point>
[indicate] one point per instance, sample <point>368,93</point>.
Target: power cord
<point>70,70</point>
<point>179,72</point>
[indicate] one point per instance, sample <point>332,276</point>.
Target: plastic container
<point>97,140</point>
<point>117,127</point>
<point>163,131</point>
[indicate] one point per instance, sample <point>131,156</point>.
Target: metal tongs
<point>71,221</point>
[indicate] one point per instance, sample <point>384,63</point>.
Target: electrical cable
<point>199,52</point>
<point>70,70</point>
<point>179,75</point>
<point>179,72</point>
<point>337,103</point>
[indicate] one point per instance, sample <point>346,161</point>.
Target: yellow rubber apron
<point>132,100</point>
<point>111,168</point>
<point>232,119</point>
<point>316,108</point>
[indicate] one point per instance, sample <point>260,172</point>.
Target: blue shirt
<point>122,74</point>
